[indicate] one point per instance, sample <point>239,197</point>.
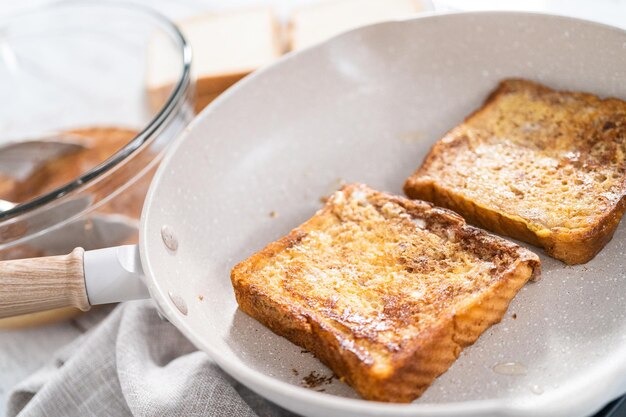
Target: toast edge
<point>572,246</point>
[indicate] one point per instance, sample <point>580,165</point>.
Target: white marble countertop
<point>24,351</point>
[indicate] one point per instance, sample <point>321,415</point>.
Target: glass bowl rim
<point>165,113</point>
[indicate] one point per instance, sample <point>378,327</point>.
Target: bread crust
<point>571,244</point>
<point>410,365</point>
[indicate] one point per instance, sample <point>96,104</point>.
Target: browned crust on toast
<point>584,138</point>
<point>395,364</point>
<point>571,247</point>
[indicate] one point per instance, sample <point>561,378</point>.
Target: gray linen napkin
<point>134,364</point>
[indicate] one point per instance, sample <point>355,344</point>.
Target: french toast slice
<point>384,290</point>
<point>543,166</point>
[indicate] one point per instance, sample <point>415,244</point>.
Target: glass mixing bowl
<point>75,72</point>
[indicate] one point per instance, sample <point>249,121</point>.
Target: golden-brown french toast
<point>384,290</point>
<point>543,166</point>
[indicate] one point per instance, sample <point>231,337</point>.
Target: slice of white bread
<point>226,46</point>
<point>319,21</point>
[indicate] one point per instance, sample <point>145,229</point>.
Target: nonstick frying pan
<point>365,106</point>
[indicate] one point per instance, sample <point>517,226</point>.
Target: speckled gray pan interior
<point>366,106</point>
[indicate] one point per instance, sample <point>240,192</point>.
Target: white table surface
<point>24,351</point>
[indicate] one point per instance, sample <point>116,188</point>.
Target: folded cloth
<point>134,364</point>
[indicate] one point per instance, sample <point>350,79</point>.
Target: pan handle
<point>80,279</point>
<point>37,284</point>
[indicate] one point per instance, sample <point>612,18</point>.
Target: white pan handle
<point>80,279</point>
<point>114,274</point>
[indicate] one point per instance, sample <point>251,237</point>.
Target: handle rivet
<point>169,238</point>
<point>179,303</point>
